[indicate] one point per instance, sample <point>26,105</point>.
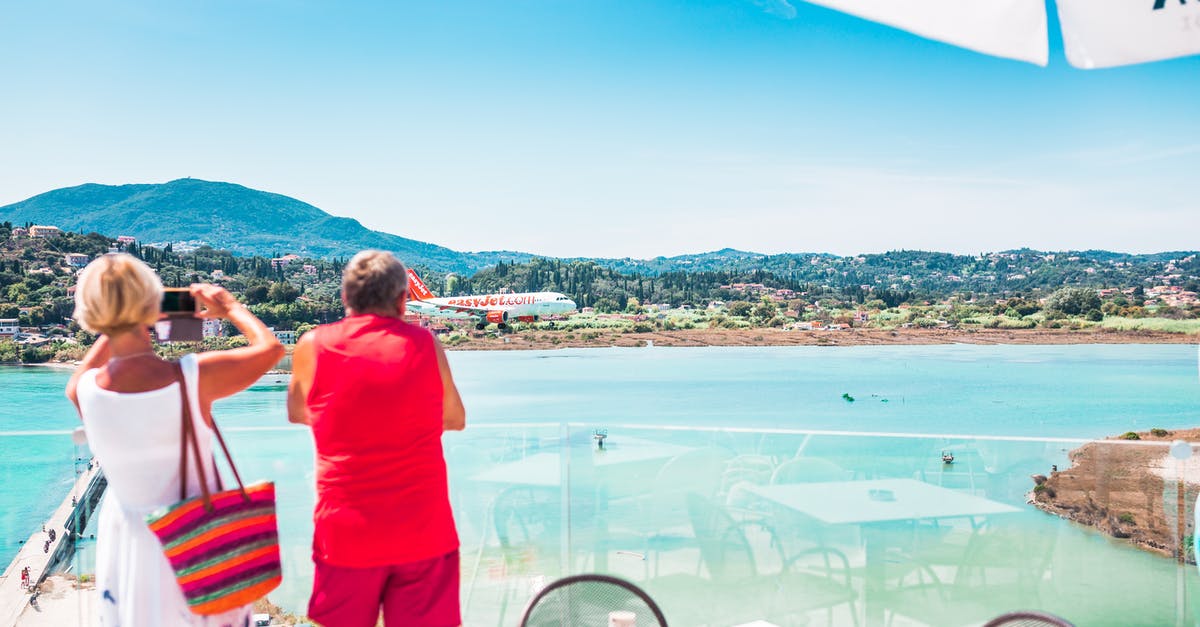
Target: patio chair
<point>660,523</point>
<point>1028,619</point>
<point>527,523</point>
<point>740,586</point>
<point>589,600</point>
<point>1002,563</point>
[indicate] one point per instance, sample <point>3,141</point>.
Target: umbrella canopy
<point>1096,33</point>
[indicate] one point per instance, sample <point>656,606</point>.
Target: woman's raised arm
<point>225,373</point>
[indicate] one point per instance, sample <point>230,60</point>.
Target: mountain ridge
<point>230,216</point>
<point>255,222</point>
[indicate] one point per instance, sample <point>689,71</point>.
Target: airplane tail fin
<point>416,287</point>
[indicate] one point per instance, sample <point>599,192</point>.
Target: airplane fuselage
<point>486,309</point>
<point>516,306</point>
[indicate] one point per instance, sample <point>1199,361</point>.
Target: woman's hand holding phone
<point>216,301</point>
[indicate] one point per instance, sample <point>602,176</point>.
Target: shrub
<point>1130,435</point>
<point>1126,518</point>
<point>642,327</point>
<point>1159,433</point>
<point>1073,301</point>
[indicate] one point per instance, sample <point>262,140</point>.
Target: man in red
<point>378,395</point>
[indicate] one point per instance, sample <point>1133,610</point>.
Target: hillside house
<point>43,231</point>
<point>309,269</point>
<point>76,260</point>
<point>281,262</point>
<point>287,338</point>
<point>126,240</point>
<point>9,327</point>
<point>19,231</point>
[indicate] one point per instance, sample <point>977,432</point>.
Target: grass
<point>1190,327</point>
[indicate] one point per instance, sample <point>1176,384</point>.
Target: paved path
<point>13,599</point>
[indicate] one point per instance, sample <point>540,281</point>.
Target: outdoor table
<point>874,503</point>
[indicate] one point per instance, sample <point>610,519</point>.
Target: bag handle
<point>189,432</point>
<point>188,429</point>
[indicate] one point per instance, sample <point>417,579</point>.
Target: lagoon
<point>1069,391</point>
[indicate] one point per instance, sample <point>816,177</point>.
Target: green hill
<point>225,215</point>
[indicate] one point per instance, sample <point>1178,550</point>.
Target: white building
<point>287,338</point>
<point>9,327</point>
<point>211,327</point>
<point>76,260</point>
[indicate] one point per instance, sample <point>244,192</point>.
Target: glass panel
<point>729,526</point>
<point>508,504</point>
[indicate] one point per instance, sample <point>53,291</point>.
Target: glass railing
<point>732,526</point>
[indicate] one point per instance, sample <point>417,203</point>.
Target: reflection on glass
<point>726,527</point>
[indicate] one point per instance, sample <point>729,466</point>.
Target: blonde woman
<point>130,403</point>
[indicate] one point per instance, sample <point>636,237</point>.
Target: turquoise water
<point>1076,392</point>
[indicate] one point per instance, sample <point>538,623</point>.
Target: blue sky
<point>602,128</point>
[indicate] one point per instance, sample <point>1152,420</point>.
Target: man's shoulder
<point>416,333</point>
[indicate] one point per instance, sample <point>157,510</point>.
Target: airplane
<point>486,309</point>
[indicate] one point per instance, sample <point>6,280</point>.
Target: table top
<point>543,469</point>
<point>877,501</point>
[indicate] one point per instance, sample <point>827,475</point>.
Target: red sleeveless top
<point>376,411</point>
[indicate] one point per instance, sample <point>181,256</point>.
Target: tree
<point>257,293</point>
<point>282,293</point>
<point>1073,301</point>
<point>740,308</point>
<point>764,311</point>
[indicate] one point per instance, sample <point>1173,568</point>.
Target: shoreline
<point>535,339</point>
<point>542,339</point>
<point>1126,492</point>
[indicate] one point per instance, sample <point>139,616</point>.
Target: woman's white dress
<point>136,439</point>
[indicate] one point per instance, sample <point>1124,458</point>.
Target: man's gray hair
<point>373,281</point>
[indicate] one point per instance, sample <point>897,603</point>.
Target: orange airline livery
<point>486,309</point>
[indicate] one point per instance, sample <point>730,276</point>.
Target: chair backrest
<point>724,548</point>
<point>526,515</point>
<point>808,470</point>
<point>1028,619</point>
<point>588,600</point>
<point>693,472</point>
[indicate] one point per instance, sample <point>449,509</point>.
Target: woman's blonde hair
<point>373,281</point>
<point>117,293</point>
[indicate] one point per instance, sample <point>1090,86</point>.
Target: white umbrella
<point>1096,33</point>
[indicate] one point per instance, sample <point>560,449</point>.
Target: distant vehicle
<point>485,309</point>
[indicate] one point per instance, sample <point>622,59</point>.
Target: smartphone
<point>178,301</point>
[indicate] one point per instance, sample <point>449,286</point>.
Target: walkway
<point>40,559</point>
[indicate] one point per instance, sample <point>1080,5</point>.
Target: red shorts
<point>420,594</point>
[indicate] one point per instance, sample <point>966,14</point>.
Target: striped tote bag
<point>224,545</point>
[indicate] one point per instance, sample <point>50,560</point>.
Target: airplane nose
<point>572,304</point>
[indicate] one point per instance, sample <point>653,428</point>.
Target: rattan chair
<point>588,600</point>
<point>1028,619</point>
